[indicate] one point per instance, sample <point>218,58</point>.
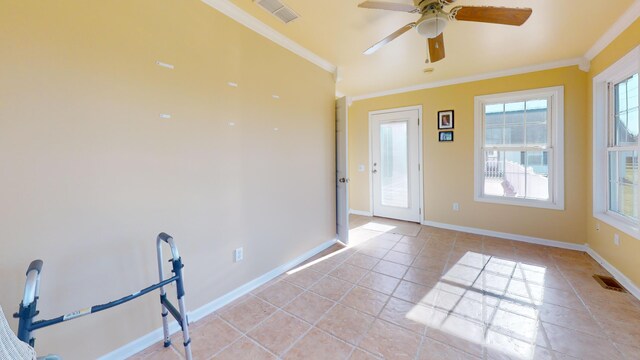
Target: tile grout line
<point>389,297</point>
<point>321,317</point>
<point>336,304</point>
<point>327,274</point>
<point>282,308</point>
<point>538,319</point>
<point>423,336</point>
<point>246,334</point>
<point>375,317</point>
<point>611,341</point>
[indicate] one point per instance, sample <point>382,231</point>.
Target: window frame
<point>555,146</point>
<point>603,135</point>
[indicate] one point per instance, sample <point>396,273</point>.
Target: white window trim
<point>628,64</point>
<point>556,169</point>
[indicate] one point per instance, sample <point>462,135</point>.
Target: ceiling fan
<point>434,19</point>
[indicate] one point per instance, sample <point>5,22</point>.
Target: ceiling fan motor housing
<point>431,25</point>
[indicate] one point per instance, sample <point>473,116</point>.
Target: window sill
<point>628,228</point>
<point>520,202</point>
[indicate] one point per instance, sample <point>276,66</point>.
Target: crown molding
<point>627,18</point>
<point>580,62</point>
<point>236,13</point>
<point>231,10</point>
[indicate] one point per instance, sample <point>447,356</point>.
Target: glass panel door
<point>394,155</point>
<point>395,171</point>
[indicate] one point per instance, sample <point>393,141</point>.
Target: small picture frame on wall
<point>445,119</point>
<point>445,136</point>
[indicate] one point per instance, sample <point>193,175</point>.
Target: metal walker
<point>28,307</point>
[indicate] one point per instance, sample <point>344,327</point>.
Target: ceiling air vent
<point>278,9</point>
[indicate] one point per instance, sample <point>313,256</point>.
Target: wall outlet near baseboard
<point>456,206</point>
<point>238,254</point>
<point>616,239</point>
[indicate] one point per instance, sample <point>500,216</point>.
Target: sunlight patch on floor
<point>357,236</point>
<point>311,263</point>
<point>376,226</point>
<point>486,301</point>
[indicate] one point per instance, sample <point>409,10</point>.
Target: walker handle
<point>32,285</point>
<point>169,240</point>
<point>35,265</point>
<point>164,237</point>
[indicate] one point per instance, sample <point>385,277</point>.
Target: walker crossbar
<point>28,307</point>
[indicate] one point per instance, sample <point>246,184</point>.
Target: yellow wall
<point>448,167</point>
<point>626,256</point>
<point>91,173</point>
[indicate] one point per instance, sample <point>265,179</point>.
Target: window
<point>519,148</point>
<point>622,152</point>
<point>616,126</point>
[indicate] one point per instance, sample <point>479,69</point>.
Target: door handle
<point>342,180</point>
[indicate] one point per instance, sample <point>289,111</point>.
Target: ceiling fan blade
<point>493,15</point>
<point>436,48</point>
<point>389,38</point>
<point>382,5</point>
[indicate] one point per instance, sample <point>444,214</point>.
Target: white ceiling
<point>339,31</point>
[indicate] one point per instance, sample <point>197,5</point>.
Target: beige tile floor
<point>405,291</point>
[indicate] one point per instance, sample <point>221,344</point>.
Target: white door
<point>395,164</point>
<point>342,172</point>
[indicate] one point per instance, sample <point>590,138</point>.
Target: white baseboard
<point>617,274</point>
<point>255,283</point>
<point>140,344</point>
<point>360,212</point>
<point>502,235</point>
<point>153,337</point>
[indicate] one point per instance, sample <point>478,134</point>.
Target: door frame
<point>420,151</point>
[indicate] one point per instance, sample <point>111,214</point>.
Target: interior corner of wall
<point>584,65</point>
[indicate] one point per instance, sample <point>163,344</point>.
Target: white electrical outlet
<point>616,239</point>
<point>597,226</point>
<point>238,254</point>
<point>456,207</point>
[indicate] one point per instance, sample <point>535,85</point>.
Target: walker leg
<point>165,320</point>
<point>163,294</point>
<point>185,329</point>
<point>177,270</point>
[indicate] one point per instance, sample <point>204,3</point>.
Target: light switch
<point>361,168</point>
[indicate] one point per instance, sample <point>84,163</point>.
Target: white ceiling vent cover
<point>278,9</point>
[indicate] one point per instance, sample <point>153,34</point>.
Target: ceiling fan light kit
<point>431,26</point>
<point>434,20</point>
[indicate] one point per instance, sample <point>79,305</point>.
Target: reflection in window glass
<point>517,174</point>
<point>623,161</point>
<point>514,107</point>
<point>521,172</point>
<point>626,121</point>
<point>623,183</point>
<point>522,123</point>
